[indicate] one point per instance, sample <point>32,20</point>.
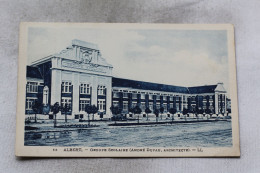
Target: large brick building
<point>79,76</point>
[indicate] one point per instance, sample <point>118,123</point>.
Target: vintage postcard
<point>127,90</point>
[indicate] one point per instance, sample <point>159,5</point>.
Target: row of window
<point>102,104</point>
<point>83,102</point>
<point>143,107</point>
<point>66,87</point>
<point>158,97</point>
<point>32,87</point>
<point>67,100</point>
<point>142,96</point>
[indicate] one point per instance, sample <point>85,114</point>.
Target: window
<point>158,97</point>
<point>66,87</point>
<point>45,95</point>
<point>150,97</point>
<point>101,105</point>
<point>171,98</point>
<point>151,106</point>
<point>210,98</point>
<point>115,94</point>
<point>84,88</point>
<point>165,107</point>
<point>65,100</point>
<point>142,96</point>
<point>134,104</point>
<point>171,105</point>
<point>29,103</point>
<point>125,105</point>
<point>32,87</point>
<point>101,90</point>
<point>83,103</point>
<point>164,98</point>
<point>193,107</point>
<point>158,105</point>
<point>125,95</point>
<point>115,103</point>
<point>134,96</point>
<point>177,107</point>
<point>143,106</point>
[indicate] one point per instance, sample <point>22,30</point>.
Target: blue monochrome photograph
<point>127,90</point>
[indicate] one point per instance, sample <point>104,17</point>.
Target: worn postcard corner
<point>127,90</point>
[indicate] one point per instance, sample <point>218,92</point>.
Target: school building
<point>80,76</point>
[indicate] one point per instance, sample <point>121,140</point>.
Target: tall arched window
<point>45,95</point>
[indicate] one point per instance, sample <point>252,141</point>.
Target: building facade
<point>80,76</point>
<point>130,93</point>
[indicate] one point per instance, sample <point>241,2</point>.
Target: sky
<point>175,57</point>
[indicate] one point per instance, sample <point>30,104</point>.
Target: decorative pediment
<point>83,53</point>
<point>220,88</point>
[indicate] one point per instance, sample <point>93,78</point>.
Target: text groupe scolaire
<point>137,150</point>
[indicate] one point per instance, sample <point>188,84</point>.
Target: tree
<point>36,107</point>
<point>55,109</point>
<point>130,110</point>
<point>94,111</point>
<point>185,112</point>
<point>147,111</point>
<point>200,111</point>
<point>196,111</point>
<point>161,111</point>
<point>172,111</point>
<point>156,112</point>
<point>208,112</point>
<point>66,109</point>
<point>88,110</point>
<point>192,111</point>
<point>115,111</point>
<point>137,110</point>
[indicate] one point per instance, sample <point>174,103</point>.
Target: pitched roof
<point>119,82</point>
<point>202,89</point>
<point>33,72</point>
